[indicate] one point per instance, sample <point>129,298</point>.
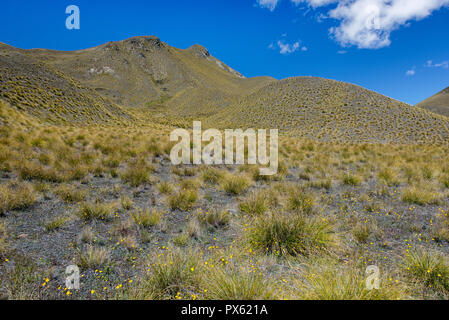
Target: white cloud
<point>369,23</point>
<point>287,48</point>
<point>269,4</point>
<point>444,64</point>
<point>411,72</point>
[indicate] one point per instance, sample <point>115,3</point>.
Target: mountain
<point>144,80</point>
<point>45,93</point>
<point>332,110</point>
<point>438,103</point>
<point>142,70</point>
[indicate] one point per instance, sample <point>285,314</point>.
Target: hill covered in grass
<point>438,103</point>
<point>45,93</point>
<point>146,81</point>
<point>141,70</point>
<point>333,111</point>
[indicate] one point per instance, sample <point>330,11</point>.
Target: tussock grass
<point>96,210</point>
<point>190,184</point>
<point>92,258</point>
<point>137,174</point>
<point>351,179</point>
<point>427,268</point>
<point>420,196</point>
<point>325,280</point>
<point>233,283</point>
<point>87,235</point>
<point>290,234</point>
<point>214,217</point>
<point>258,202</point>
<point>389,177</point>
<point>321,184</point>
<point>165,187</point>
<point>255,204</point>
<point>69,193</point>
<point>440,230</point>
<point>126,203</point>
<point>173,273</point>
<point>300,201</point>
<point>212,175</point>
<point>56,223</point>
<point>235,184</point>
<point>183,200</point>
<point>146,218</point>
<point>16,196</point>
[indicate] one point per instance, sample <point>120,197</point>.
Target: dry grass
<point>235,184</point>
<point>325,280</point>
<point>147,218</point>
<point>16,196</point>
<point>96,210</point>
<point>420,196</point>
<point>69,193</point>
<point>285,234</point>
<point>93,257</point>
<point>183,200</point>
<point>429,269</point>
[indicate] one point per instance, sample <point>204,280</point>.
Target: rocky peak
<point>199,51</point>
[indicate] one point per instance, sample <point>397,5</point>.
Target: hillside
<point>331,110</point>
<point>141,70</point>
<point>45,93</point>
<point>439,103</point>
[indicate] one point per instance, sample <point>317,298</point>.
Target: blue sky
<point>280,38</point>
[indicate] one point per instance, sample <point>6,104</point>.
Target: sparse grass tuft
<point>173,273</point>
<point>236,284</point>
<point>16,196</point>
<point>56,223</point>
<point>126,203</point>
<point>327,281</point>
<point>215,218</point>
<point>137,175</point>
<point>440,230</point>
<point>96,210</point>
<point>146,218</point>
<point>300,201</point>
<point>255,204</point>
<point>93,257</point>
<point>351,179</point>
<point>69,193</point>
<point>165,187</point>
<point>212,175</point>
<point>235,184</point>
<point>420,196</point>
<point>429,269</point>
<point>282,234</point>
<point>183,200</point>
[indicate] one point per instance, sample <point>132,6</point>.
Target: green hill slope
<point>45,93</point>
<point>438,103</point>
<point>331,110</point>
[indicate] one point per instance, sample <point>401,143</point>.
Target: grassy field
<point>108,200</point>
<point>86,180</point>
